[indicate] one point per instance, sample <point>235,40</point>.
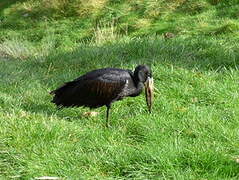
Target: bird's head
<point>143,74</point>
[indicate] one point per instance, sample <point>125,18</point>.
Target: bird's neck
<point>139,87</point>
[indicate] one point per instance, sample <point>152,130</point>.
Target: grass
<point>79,20</point>
<point>191,134</point>
<point>193,130</point>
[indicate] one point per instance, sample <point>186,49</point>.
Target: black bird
<point>102,87</point>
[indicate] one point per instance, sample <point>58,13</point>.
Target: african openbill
<point>102,87</point>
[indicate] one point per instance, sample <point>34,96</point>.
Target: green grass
<point>193,130</point>
<point>75,21</point>
<point>191,134</point>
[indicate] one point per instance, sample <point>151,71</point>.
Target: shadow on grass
<point>7,3</point>
<point>68,114</point>
<point>200,54</point>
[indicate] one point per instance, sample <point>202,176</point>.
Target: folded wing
<point>92,90</point>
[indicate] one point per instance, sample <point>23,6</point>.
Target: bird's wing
<point>94,89</point>
<point>104,88</point>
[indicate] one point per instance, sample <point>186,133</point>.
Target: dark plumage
<point>104,86</point>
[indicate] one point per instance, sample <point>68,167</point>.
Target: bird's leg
<point>107,115</point>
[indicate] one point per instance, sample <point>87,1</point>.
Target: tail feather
<point>64,95</point>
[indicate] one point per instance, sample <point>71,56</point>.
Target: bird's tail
<point>62,95</point>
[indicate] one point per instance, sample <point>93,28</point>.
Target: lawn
<point>193,130</point>
<point>191,134</point>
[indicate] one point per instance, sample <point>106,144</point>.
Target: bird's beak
<point>149,92</point>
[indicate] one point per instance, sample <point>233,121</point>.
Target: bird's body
<point>98,88</point>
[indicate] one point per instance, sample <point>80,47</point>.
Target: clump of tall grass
<point>105,32</point>
<point>22,49</point>
<point>16,49</point>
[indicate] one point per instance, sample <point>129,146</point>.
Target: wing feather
<point>93,90</point>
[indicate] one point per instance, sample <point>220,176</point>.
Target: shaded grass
<point>191,134</point>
